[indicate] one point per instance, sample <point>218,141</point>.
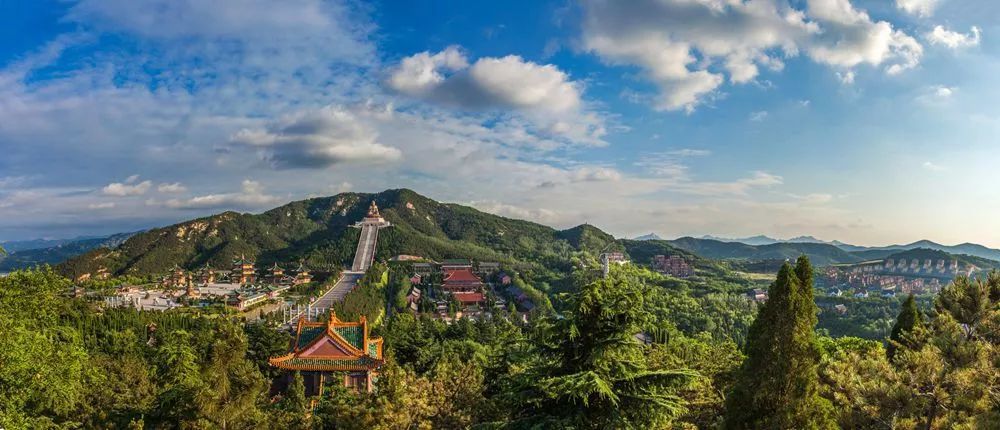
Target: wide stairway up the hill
<point>366,248</point>
<point>365,253</point>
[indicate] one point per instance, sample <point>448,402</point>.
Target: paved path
<point>365,253</point>
<point>344,285</point>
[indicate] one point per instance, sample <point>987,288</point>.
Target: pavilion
<point>331,351</point>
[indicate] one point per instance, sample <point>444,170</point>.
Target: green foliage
<point>908,325</point>
<point>367,298</point>
<point>778,386</point>
<point>589,371</point>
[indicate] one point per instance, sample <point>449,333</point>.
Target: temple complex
<point>333,352</point>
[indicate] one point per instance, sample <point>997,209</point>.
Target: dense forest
<point>635,349</point>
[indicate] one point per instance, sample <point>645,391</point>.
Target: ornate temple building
<point>177,278</point>
<point>243,271</point>
<point>205,275</point>
<point>333,352</point>
<point>302,276</point>
<point>275,275</point>
<point>461,280</point>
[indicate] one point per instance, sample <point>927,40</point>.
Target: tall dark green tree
<point>908,323</point>
<point>778,384</point>
<point>590,371</point>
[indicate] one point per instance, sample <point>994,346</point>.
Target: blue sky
<point>871,122</point>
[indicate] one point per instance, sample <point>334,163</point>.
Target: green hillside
<point>820,253</point>
<point>318,231</point>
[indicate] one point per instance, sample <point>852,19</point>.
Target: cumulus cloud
<point>175,187</point>
<point>952,39</point>
<point>129,188</point>
<point>317,139</point>
<point>251,195</point>
<point>758,116</point>
<point>507,82</point>
<point>541,92</point>
<point>922,8</point>
<point>690,48</point>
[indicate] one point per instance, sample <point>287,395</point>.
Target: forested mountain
<point>31,253</point>
<point>318,232</point>
<point>820,253</point>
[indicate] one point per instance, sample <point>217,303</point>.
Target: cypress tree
<point>778,384</point>
<point>909,319</point>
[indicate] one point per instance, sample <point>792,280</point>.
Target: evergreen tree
<point>778,384</point>
<point>590,371</point>
<point>907,323</point>
<point>295,395</point>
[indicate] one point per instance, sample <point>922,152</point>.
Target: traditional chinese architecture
<point>302,276</point>
<point>673,265</point>
<point>177,278</point>
<point>275,275</point>
<point>243,271</point>
<point>243,299</point>
<point>461,280</point>
<point>333,352</point>
<point>206,275</point>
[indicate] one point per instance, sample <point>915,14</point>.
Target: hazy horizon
<point>869,122</point>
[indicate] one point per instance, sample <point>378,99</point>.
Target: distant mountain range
<point>875,252</point>
<point>30,253</point>
<point>650,236</point>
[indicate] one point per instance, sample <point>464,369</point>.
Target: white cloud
<point>846,78</point>
<point>102,205</point>
<point>758,116</point>
<point>596,174</point>
<point>420,73</point>
<point>507,82</point>
<point>541,93</point>
<point>929,165</point>
<point>118,189</point>
<point>921,8</point>
<point>260,22</point>
<point>317,139</point>
<point>175,187</point>
<point>251,195</point>
<point>952,39</point>
<point>689,48</point>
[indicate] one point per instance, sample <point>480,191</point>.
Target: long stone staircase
<point>365,253</point>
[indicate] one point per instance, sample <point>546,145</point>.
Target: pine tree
<point>295,395</point>
<point>908,321</point>
<point>778,384</point>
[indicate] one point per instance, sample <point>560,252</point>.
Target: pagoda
<point>243,271</point>
<point>302,276</point>
<point>206,275</point>
<point>333,352</point>
<point>275,273</point>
